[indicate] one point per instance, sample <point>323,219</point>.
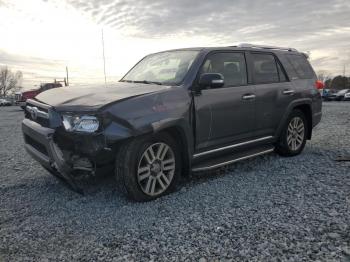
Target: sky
<point>41,38</point>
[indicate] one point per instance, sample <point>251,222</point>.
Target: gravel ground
<point>265,209</point>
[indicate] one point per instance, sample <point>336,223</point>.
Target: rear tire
<point>148,167</point>
<point>293,137</point>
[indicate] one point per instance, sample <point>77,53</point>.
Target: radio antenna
<point>104,59</point>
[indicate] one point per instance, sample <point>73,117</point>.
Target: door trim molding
<point>232,146</point>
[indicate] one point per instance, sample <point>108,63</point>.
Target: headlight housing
<point>87,124</point>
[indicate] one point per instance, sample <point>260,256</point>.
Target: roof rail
<point>246,45</point>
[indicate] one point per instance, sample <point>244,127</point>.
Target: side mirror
<point>211,80</point>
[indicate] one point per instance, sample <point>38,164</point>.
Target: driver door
<point>225,115</point>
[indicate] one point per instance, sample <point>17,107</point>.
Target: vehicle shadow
<point>104,189</point>
<point>106,185</point>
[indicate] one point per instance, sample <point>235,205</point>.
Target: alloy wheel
<point>156,169</point>
<point>295,133</point>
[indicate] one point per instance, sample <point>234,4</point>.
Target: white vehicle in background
<point>4,102</point>
<point>347,96</point>
<point>341,94</point>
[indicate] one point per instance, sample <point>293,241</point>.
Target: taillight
<point>319,84</point>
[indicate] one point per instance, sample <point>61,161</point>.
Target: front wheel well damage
<point>179,137</point>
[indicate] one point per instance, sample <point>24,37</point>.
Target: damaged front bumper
<point>40,144</point>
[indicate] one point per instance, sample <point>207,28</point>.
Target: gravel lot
<point>265,209</point>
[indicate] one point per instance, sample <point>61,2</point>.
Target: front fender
<point>182,126</point>
<point>118,131</point>
<point>181,123</point>
<point>151,113</point>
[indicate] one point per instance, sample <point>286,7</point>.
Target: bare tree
<point>9,81</point>
<point>323,75</point>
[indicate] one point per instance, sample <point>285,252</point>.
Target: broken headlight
<point>88,124</point>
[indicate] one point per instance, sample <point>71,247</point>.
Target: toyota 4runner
<point>177,112</point>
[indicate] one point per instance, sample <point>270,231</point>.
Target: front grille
<point>40,119</point>
<point>38,146</point>
<point>43,109</point>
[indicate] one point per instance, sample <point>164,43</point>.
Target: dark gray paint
<point>93,97</point>
<point>222,116</point>
<point>205,120</point>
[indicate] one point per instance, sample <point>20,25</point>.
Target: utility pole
<point>67,83</point>
<point>104,59</point>
<point>344,78</point>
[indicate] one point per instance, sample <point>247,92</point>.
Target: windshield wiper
<point>143,82</point>
<point>148,82</point>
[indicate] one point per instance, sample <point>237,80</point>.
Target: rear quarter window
<point>301,66</point>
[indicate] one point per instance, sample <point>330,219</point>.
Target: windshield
<point>167,68</point>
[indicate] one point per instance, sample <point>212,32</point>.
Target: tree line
<point>338,82</point>
<point>10,82</point>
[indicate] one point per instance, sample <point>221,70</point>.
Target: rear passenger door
<point>272,89</point>
<point>225,115</point>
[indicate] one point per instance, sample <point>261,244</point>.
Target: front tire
<point>293,137</point>
<point>148,167</point>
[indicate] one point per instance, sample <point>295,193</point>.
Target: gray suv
<point>176,112</point>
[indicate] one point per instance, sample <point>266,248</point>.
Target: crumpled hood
<point>92,97</point>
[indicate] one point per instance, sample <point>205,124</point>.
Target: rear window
<point>301,66</point>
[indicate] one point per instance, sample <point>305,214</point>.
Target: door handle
<point>288,92</point>
<point>248,97</point>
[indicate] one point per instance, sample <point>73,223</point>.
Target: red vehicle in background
<point>21,97</point>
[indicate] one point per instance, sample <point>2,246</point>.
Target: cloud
<point>224,18</point>
<point>321,26</point>
<point>47,35</point>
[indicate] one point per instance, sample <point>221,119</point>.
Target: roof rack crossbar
<point>246,45</point>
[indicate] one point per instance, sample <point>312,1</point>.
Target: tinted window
<point>231,65</point>
<point>301,66</point>
<point>264,69</point>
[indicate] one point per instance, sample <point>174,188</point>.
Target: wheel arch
<point>306,109</point>
<point>182,135</point>
<point>304,105</point>
<point>177,128</point>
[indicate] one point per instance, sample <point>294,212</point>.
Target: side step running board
<point>227,161</point>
